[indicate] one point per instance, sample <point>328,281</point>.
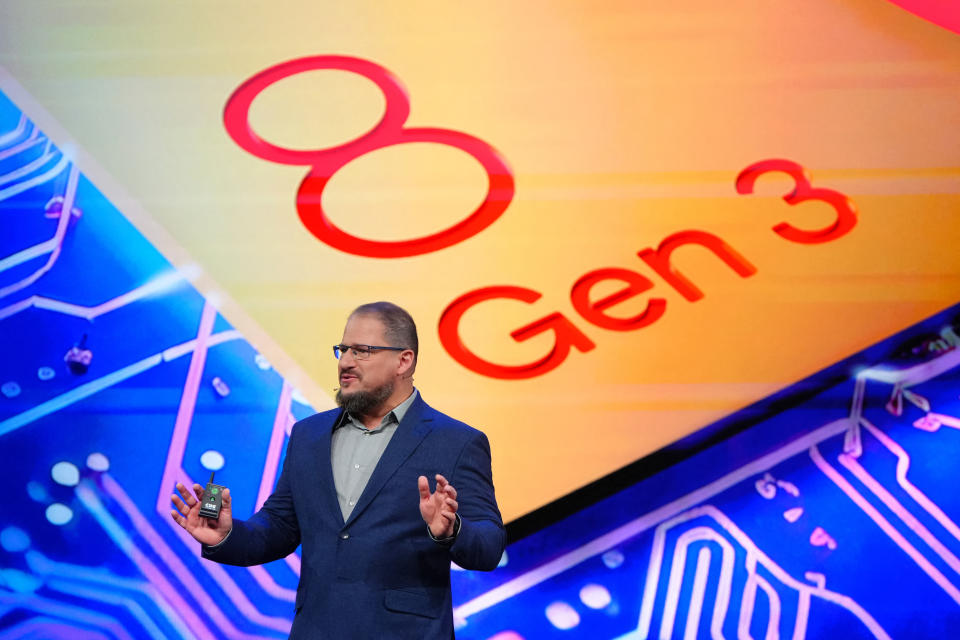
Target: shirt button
<point>356,466</point>
<point>351,503</point>
<point>344,535</point>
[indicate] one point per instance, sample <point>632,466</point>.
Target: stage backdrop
<point>615,226</point>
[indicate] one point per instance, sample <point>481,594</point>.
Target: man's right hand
<point>187,514</point>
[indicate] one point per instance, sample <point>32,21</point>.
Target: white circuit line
<point>699,591</point>
<point>626,531</point>
<point>13,134</point>
<point>874,514</point>
<point>29,167</point>
<point>51,246</point>
<point>159,284</point>
<point>33,140</point>
<point>805,590</point>
<point>85,390</point>
<point>26,185</point>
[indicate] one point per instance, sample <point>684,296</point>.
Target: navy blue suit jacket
<point>378,574</point>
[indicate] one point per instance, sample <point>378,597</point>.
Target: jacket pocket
<point>413,602</point>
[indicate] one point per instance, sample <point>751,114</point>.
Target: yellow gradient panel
<point>623,126</point>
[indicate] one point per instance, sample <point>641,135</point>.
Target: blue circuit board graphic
<point>120,380</point>
<point>834,517</point>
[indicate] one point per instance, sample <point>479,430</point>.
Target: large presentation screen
<point>692,268</point>
<point>614,224</point>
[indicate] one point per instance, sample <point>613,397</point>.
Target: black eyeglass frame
<point>338,350</point>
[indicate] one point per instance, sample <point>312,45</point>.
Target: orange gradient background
<point>623,123</point>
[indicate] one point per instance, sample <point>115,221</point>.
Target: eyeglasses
<point>360,351</point>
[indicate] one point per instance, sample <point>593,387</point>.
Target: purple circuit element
<point>54,208</point>
<point>820,538</point>
<point>78,357</point>
<point>792,515</point>
<point>221,387</point>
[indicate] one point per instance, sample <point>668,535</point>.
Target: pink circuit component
<point>78,358</point>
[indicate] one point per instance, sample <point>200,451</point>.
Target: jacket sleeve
<point>480,542</point>
<point>271,533</point>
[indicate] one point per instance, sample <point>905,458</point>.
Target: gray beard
<point>364,402</point>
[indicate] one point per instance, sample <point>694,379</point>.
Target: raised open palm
<point>439,509</point>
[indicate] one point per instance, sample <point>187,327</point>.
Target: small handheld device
<point>212,499</point>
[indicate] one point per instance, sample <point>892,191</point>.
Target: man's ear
<point>405,365</point>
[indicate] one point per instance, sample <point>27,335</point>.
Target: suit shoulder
<point>318,421</point>
<point>443,422</point>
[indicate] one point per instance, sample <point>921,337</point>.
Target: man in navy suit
<point>374,565</point>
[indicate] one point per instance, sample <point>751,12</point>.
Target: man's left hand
<point>439,509</point>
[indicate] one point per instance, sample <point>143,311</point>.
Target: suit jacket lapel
<point>409,434</point>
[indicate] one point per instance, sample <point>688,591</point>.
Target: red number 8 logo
<point>389,131</point>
